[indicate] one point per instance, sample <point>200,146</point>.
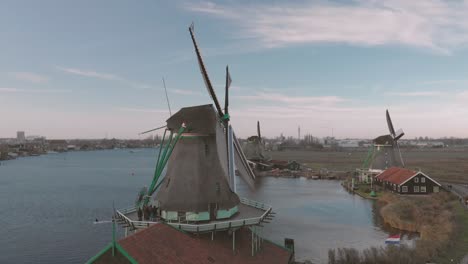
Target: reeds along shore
<point>431,216</point>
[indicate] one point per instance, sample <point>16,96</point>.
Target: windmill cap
<point>198,119</point>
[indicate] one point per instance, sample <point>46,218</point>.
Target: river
<point>48,205</point>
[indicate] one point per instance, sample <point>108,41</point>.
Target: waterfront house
<point>405,181</point>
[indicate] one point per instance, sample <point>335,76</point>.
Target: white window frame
<point>416,189</point>
<point>422,189</point>
<point>416,179</point>
<point>404,189</point>
<point>423,179</point>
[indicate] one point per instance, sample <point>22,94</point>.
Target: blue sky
<point>89,68</point>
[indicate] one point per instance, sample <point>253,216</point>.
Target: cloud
<point>33,91</point>
<point>282,98</point>
<point>184,92</point>
<point>433,24</point>
<point>106,76</point>
<point>143,110</point>
<point>416,94</point>
<point>29,77</point>
<point>9,90</point>
<point>92,74</point>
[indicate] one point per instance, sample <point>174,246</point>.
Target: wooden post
<point>234,242</point>
<point>252,242</point>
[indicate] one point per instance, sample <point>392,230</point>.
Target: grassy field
<point>458,247</point>
<point>449,164</point>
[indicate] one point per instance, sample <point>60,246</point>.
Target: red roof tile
<point>161,243</point>
<point>396,175</point>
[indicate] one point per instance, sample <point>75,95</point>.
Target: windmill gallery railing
<point>122,215</point>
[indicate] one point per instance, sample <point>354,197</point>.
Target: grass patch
<point>458,246</point>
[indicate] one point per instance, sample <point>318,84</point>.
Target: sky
<point>94,69</point>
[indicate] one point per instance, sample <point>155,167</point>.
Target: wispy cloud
<point>33,91</point>
<point>92,74</point>
<point>282,98</point>
<point>416,94</point>
<point>184,92</point>
<point>433,24</point>
<point>29,77</point>
<point>9,90</point>
<point>143,110</point>
<point>106,76</point>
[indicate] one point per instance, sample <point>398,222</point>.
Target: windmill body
<point>196,185</point>
<point>254,149</point>
<point>383,154</point>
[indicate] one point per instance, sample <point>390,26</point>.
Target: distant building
<point>20,136</point>
<point>405,181</point>
<point>348,143</point>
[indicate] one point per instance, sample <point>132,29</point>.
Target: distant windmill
<point>254,148</point>
<point>385,151</point>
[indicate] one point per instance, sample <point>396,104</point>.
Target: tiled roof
<point>396,175</point>
<point>161,243</point>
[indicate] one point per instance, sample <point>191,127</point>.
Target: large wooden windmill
<point>202,155</point>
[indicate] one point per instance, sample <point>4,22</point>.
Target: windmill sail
<point>204,73</point>
<point>242,165</point>
<point>390,124</point>
<point>240,160</point>
<point>258,131</point>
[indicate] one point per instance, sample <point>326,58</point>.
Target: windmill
<point>202,155</point>
<point>254,149</point>
<point>385,152</point>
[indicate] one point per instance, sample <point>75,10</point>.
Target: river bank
<point>439,219</point>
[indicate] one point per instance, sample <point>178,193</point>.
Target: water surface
<point>48,204</point>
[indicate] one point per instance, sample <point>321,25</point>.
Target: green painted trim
<point>169,215</point>
<point>93,259</point>
<point>166,157</point>
<point>125,253</point>
<point>223,214</point>
<point>200,216</point>
<point>370,153</point>
<point>109,247</point>
<point>158,170</point>
<point>226,117</point>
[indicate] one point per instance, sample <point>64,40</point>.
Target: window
<point>423,189</point>
<point>404,189</point>
<point>435,189</point>
<point>398,188</point>
<point>416,179</point>
<point>416,189</point>
<point>423,179</point>
<point>394,187</point>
